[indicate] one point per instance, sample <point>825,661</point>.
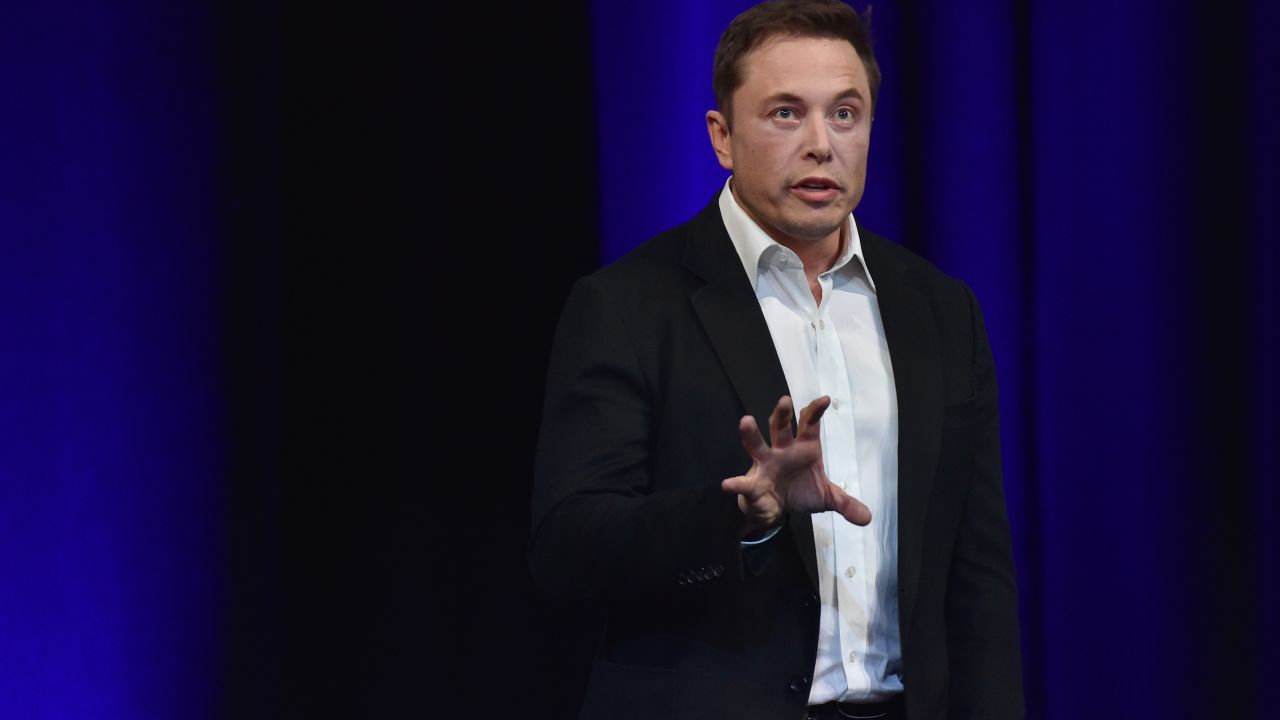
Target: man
<point>854,563</point>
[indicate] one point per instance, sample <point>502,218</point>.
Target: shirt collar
<point>755,247</point>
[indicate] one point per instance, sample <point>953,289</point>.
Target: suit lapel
<point>730,313</point>
<point>909,329</point>
<point>731,316</point>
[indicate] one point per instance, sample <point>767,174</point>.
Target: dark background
<point>279,283</point>
<point>429,197</point>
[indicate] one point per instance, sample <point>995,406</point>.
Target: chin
<point>816,228</point>
<point>810,231</point>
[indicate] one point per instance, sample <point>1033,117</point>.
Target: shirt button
<point>835,404</point>
<point>853,656</point>
<point>822,325</point>
<point>850,571</point>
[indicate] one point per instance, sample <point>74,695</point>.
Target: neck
<point>817,254</point>
<point>818,257</point>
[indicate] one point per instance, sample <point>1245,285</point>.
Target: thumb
<point>740,485</point>
<point>850,507</point>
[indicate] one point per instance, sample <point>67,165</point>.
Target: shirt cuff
<point>767,537</point>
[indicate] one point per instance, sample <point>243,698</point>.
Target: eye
<point>845,116</point>
<point>786,114</point>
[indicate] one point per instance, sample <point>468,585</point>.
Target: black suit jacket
<point>656,358</point>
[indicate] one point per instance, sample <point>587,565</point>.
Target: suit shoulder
<point>654,264</point>
<point>919,271</point>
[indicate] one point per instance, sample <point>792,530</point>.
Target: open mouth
<point>816,190</point>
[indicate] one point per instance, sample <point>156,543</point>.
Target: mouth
<point>816,190</point>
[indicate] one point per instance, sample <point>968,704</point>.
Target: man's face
<point>801,130</point>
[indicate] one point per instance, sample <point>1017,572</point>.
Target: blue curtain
<point>111,420</point>
<point>1106,177</point>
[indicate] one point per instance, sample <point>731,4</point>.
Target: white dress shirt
<point>837,348</point>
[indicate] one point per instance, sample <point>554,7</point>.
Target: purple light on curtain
<point>652,69</point>
<point>111,570</point>
<point>1109,286</point>
<point>1263,132</point>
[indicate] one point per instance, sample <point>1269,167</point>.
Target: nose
<point>818,140</point>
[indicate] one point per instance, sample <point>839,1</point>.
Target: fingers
<point>740,485</point>
<point>751,439</point>
<point>810,417</point>
<point>849,507</point>
<point>780,422</point>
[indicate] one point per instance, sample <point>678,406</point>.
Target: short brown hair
<point>798,18</point>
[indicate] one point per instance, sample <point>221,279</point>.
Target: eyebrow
<point>787,97</point>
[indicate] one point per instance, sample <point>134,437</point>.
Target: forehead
<point>791,64</point>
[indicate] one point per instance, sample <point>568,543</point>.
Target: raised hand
<point>789,475</point>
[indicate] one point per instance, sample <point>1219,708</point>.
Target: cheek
<point>770,149</point>
<point>855,155</point>
<point>764,165</point>
<point>855,146</point>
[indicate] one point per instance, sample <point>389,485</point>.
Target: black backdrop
<point>411,194</point>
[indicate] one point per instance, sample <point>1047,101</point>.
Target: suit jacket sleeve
<point>981,602</point>
<point>602,525</point>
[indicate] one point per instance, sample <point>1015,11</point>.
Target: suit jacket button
<point>810,600</point>
<point>798,683</point>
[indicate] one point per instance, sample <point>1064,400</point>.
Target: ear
<point>721,141</point>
